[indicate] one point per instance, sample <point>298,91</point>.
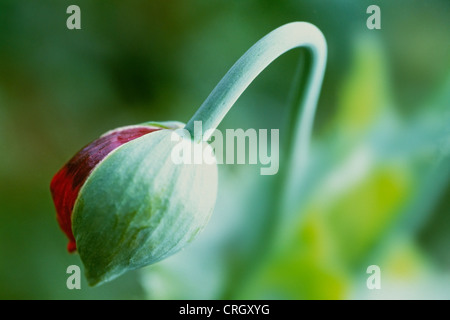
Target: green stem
<point>233,84</point>
<point>249,66</point>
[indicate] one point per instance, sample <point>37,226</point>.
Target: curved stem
<point>249,66</point>
<point>304,101</point>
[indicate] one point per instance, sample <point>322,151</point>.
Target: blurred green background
<point>377,189</point>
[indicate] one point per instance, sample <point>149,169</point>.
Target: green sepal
<point>138,207</point>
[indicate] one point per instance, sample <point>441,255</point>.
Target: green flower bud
<point>136,206</point>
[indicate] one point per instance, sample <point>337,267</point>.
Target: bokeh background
<point>376,191</point>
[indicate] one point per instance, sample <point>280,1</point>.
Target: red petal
<point>66,184</point>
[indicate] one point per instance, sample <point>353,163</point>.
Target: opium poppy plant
<point>124,204</point>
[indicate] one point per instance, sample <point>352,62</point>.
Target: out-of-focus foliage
<point>376,189</point>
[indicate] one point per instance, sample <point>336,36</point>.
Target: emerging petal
<point>67,182</point>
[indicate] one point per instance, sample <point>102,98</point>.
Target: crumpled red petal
<point>67,182</point>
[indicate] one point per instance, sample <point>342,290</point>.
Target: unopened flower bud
<point>124,204</point>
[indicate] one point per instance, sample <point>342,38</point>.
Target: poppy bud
<point>124,204</point>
